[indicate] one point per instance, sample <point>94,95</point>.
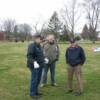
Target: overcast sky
<point>31,11</point>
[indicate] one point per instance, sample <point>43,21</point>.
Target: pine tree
<point>54,25</point>
<point>85,32</point>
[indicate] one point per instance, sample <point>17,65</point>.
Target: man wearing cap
<point>51,52</point>
<point>75,58</point>
<point>35,62</point>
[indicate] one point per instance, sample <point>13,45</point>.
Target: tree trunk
<point>93,41</point>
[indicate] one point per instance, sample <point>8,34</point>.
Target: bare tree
<point>8,26</point>
<point>43,27</point>
<point>92,8</point>
<point>35,27</point>
<point>25,30</point>
<point>39,30</point>
<point>71,15</point>
<point>0,25</point>
<point>15,29</point>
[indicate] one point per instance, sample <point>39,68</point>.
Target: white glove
<point>36,65</point>
<point>46,60</point>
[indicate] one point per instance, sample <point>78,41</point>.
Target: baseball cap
<point>39,36</point>
<point>72,40</point>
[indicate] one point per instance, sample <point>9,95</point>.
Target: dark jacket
<point>75,56</point>
<point>51,51</point>
<point>35,53</point>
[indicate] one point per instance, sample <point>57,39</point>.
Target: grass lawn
<point>15,77</point>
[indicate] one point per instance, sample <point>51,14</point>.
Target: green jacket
<point>51,51</point>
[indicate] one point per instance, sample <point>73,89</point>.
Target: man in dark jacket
<point>35,62</point>
<point>75,58</point>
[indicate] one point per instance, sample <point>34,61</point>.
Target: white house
<point>98,35</point>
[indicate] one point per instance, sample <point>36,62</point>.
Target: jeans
<point>45,72</point>
<point>35,80</point>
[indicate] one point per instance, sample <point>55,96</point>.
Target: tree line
<point>62,24</point>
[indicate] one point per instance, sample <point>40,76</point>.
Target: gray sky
<point>31,11</point>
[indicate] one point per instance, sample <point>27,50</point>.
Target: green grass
<point>15,77</point>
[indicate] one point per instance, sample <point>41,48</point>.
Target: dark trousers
<point>35,80</point>
<point>45,72</point>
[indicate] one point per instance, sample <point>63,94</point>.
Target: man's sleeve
<point>66,55</point>
<point>30,53</point>
<point>58,52</point>
<point>83,58</point>
<point>44,49</point>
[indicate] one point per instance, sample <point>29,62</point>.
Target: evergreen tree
<point>85,32</point>
<point>54,25</point>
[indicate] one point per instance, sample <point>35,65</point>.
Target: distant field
<point>15,77</point>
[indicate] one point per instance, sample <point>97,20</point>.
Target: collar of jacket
<point>51,43</point>
<point>76,46</point>
<point>37,44</point>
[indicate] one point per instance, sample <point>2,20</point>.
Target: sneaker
<point>78,93</point>
<point>35,97</point>
<point>42,85</point>
<point>54,84</point>
<point>39,94</point>
<point>69,91</point>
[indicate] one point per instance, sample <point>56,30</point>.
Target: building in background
<point>2,36</point>
<point>99,35</point>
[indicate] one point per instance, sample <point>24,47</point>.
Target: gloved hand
<point>46,60</point>
<point>36,65</point>
<point>57,59</point>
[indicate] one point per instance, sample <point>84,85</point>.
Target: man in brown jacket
<point>51,52</point>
